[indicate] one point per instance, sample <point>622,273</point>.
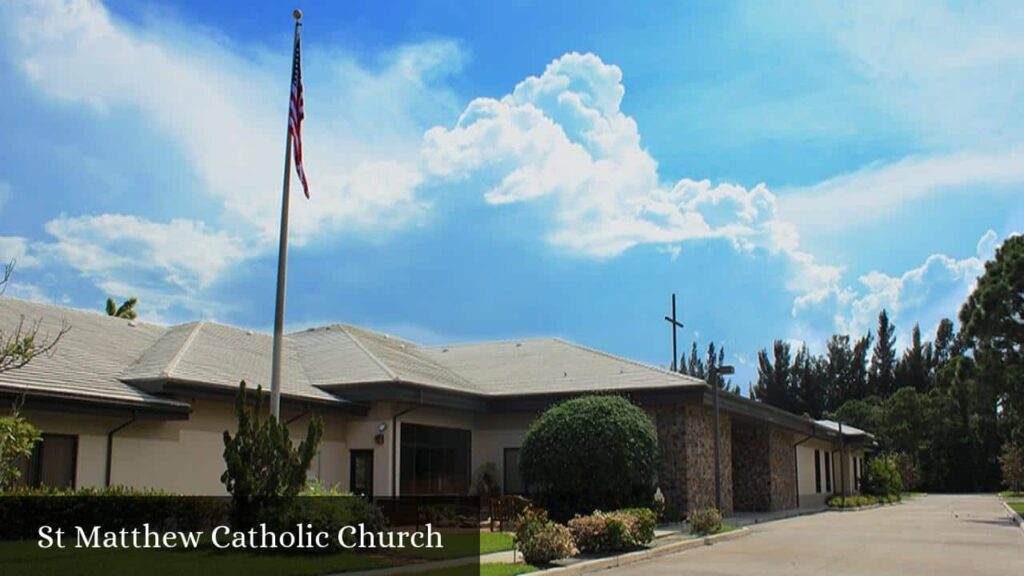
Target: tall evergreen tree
<point>882,373</point>
<point>993,325</point>
<point>715,361</point>
<point>912,369</point>
<point>694,366</point>
<point>859,367</point>
<point>773,376</point>
<point>808,377</point>
<point>945,346</point>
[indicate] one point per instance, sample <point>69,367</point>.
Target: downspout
<point>394,448</point>
<point>796,467</point>
<point>110,446</point>
<point>305,411</point>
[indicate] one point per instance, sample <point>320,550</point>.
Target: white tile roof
<point>89,358</point>
<point>104,357</point>
<point>549,365</point>
<point>218,355</point>
<point>847,429</point>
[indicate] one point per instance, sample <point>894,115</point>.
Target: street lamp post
<point>716,373</point>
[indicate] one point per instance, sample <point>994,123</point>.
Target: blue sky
<point>504,170</point>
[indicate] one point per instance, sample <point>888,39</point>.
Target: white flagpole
<point>282,251</point>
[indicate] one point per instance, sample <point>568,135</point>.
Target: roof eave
<point>79,403</point>
<point>193,388</point>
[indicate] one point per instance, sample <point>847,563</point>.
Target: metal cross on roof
<point>675,324</point>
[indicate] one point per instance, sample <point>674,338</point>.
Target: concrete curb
<point>598,564</point>
<point>1015,517</point>
<point>583,567</point>
<point>785,515</point>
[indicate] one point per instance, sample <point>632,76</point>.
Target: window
<point>817,471</point>
<point>828,472</point>
<point>513,481</point>
<point>434,460</point>
<point>53,462</point>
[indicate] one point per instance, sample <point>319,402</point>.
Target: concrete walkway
<point>934,535</point>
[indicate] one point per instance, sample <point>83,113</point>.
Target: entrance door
<point>360,477</point>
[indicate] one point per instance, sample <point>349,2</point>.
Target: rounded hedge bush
<point>590,453</point>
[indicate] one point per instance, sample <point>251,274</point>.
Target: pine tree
<point>714,362</point>
<point>859,368</point>
<point>882,373</point>
<point>839,367</point>
<point>695,366</point>
<point>945,344</point>
<point>773,376</point>
<point>808,382</point>
<point>913,368</point>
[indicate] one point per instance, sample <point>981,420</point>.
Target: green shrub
<point>17,438</point>
<point>262,464</point>
<point>643,522</point>
<point>541,540</point>
<point>856,501</point>
<point>613,531</point>
<point>328,513</point>
<point>861,500</point>
<point>23,510</point>
<point>882,477</point>
<point>704,522</point>
<point>318,488</point>
<point>590,453</point>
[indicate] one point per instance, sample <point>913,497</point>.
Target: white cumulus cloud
<point>223,105</point>
<point>926,293</point>
<point>167,264</point>
<point>561,140</point>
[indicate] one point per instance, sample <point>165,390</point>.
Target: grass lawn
<point>483,570</point>
<point>906,495</point>
<point>1018,507</point>
<point>26,558</point>
<point>726,528</point>
<point>1011,494</point>
<point>462,544</point>
<point>495,542</point>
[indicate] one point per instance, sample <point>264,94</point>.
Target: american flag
<point>296,114</point>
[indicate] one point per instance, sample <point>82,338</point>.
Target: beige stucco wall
<point>805,471</point>
<point>185,456</point>
<point>491,434</point>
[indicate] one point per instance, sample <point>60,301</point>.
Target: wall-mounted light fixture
<point>379,438</point>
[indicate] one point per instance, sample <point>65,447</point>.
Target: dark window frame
<point>817,471</point>
<point>34,466</point>
<point>353,455</point>
<point>505,472</point>
<point>828,472</point>
<point>434,450</point>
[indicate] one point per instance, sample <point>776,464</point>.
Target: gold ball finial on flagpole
<point>297,14</point>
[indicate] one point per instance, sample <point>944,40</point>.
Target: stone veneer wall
<point>671,425</point>
<point>700,459</point>
<point>751,467</point>
<point>687,476</point>
<point>783,470</point>
<point>763,468</point>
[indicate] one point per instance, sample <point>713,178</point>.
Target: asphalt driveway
<point>932,535</point>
